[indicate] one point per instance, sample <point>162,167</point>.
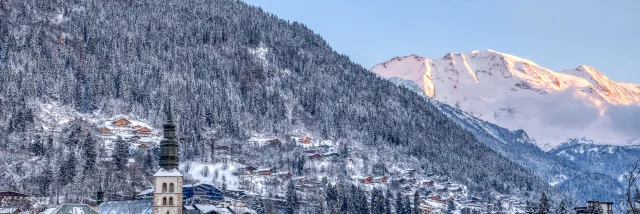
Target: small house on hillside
<point>264,171</point>
<point>331,154</point>
<point>274,141</point>
<point>4,196</point>
<point>104,130</point>
<point>245,171</point>
<point>283,175</point>
<point>305,140</point>
<point>121,123</point>
<point>428,183</point>
<point>365,180</point>
<point>382,179</point>
<point>143,131</point>
<point>143,146</point>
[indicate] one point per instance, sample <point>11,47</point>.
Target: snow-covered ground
<point>516,93</point>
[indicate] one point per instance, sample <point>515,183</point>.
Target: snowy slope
<point>516,93</point>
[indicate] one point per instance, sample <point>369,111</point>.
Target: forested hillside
<point>227,68</point>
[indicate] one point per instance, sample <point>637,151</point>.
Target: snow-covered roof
<point>211,208</point>
<point>264,169</point>
<point>48,211</point>
<point>242,210</point>
<point>167,173</point>
<point>127,207</point>
<point>145,192</point>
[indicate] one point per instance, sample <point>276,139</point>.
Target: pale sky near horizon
<point>555,34</point>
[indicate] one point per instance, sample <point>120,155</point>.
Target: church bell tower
<point>167,182</point>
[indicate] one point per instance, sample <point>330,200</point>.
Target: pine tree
<point>89,155</point>
<point>407,205</point>
<point>387,202</point>
<point>416,202</point>
<point>530,208</point>
<point>120,154</point>
<point>451,207</point>
<point>544,206</point>
<point>399,204</point>
<point>148,162</point>
<point>67,170</point>
<point>344,150</point>
<point>292,201</point>
<point>331,197</point>
<point>562,209</point>
<point>260,209</point>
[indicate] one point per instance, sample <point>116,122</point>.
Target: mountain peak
<point>508,91</point>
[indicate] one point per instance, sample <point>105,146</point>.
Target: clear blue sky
<point>557,34</point>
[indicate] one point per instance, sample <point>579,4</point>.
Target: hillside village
<point>233,180</point>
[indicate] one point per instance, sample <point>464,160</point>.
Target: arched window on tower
<point>171,188</point>
<point>164,187</point>
<point>164,201</point>
<point>170,201</point>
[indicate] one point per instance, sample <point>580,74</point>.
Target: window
<point>171,188</point>
<point>164,187</point>
<point>164,201</point>
<point>170,201</point>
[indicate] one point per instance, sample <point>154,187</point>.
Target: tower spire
<point>169,145</point>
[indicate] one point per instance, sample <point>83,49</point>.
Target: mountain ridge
<point>513,92</point>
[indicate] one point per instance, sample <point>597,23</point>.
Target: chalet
<point>274,141</point>
<point>428,183</point>
<point>455,189</point>
<point>350,160</point>
<point>382,179</point>
<point>310,151</point>
<point>245,170</point>
<point>264,171</point>
<point>121,123</point>
<point>104,130</point>
<point>331,154</point>
<point>365,180</point>
<point>143,146</point>
<point>12,196</point>
<point>283,175</point>
<point>314,156</point>
<point>143,131</point>
<point>305,140</point>
<point>607,207</point>
<point>434,197</point>
<point>299,180</point>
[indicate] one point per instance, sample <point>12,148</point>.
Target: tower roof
<point>169,146</point>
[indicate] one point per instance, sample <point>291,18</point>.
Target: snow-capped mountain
<point>516,93</point>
